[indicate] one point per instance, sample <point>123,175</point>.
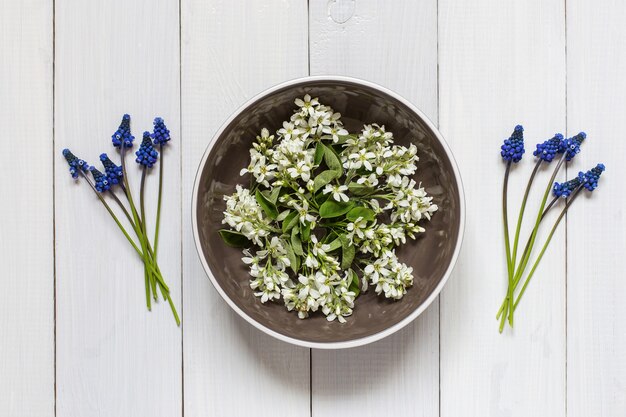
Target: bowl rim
<point>363,340</point>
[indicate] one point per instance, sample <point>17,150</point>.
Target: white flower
<point>361,158</point>
<point>306,104</point>
<point>303,213</point>
<point>302,170</point>
<point>358,228</point>
<point>338,192</point>
<point>369,181</point>
<point>288,130</point>
<point>334,132</point>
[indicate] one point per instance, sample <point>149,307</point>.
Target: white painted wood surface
<point>500,64</point>
<point>230,52</point>
<point>113,357</point>
<point>596,243</point>
<point>477,67</point>
<point>352,38</point>
<point>26,210</point>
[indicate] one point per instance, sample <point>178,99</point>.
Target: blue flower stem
<point>106,205</point>
<point>155,267</point>
<point>146,259</point>
<point>143,225</point>
<point>524,261</point>
<point>524,252</point>
<point>505,221</point>
<point>545,246</point>
<point>521,210</point>
<point>158,215</point>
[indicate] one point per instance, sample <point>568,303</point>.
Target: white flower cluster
<point>325,205</point>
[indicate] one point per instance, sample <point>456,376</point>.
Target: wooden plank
<point>596,334</point>
<point>114,357</point>
<point>231,51</point>
<point>500,64</point>
<point>395,46</point>
<point>26,212</point>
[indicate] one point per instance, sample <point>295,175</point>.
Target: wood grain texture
<point>232,50</point>
<point>395,46</point>
<point>500,64</point>
<point>596,289</point>
<point>26,212</point>
<point>114,358</point>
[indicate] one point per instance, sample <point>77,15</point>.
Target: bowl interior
<point>429,255</point>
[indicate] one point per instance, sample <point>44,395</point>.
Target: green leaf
<point>273,197</point>
<point>295,241</point>
<point>293,259</point>
<point>234,239</point>
<point>319,153</point>
<point>335,244</point>
<point>306,232</point>
<point>360,189</point>
<point>366,213</point>
<point>290,221</point>
<point>332,208</point>
<point>347,253</point>
<point>320,198</point>
<point>268,207</point>
<point>324,178</point>
<point>332,160</point>
<point>283,215</point>
<point>354,283</point>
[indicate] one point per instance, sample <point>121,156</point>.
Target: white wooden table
<point>75,336</point>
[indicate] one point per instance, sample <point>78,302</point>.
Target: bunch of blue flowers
<point>562,150</point>
<point>114,177</point>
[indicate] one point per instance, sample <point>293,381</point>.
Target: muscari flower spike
<point>113,172</point>
<point>160,134</point>
<point>571,146</point>
<point>75,163</point>
<point>513,147</point>
<point>565,189</point>
<point>146,154</point>
<point>122,134</point>
<point>548,149</point>
<point>101,181</point>
<point>591,177</point>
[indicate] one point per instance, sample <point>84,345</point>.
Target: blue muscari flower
<point>548,149</point>
<point>565,189</point>
<point>591,177</point>
<point>571,146</point>
<point>513,147</point>
<point>101,181</point>
<point>146,154</point>
<point>75,163</point>
<point>113,172</point>
<point>122,134</point>
<point>160,133</point>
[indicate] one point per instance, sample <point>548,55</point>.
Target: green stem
<point>146,259</point>
<point>155,268</point>
<point>142,209</point>
<point>106,205</point>
<point>533,236</point>
<point>522,209</point>
<point>158,215</point>
<point>505,221</point>
<point>545,246</point>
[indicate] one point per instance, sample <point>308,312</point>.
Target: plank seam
<point>308,42</point>
<point>566,215</point>
<point>54,244</point>
<point>439,297</point>
<point>180,174</point>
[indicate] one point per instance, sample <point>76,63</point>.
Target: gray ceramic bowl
<point>432,255</point>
